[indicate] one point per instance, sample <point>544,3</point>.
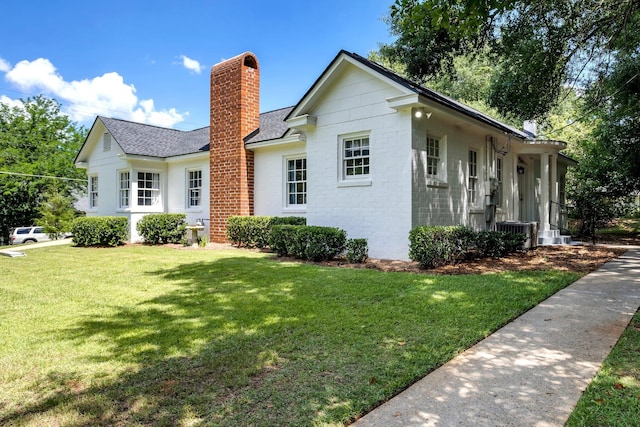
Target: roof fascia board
<point>288,139</point>
<point>190,156</point>
<point>83,148</point>
<point>133,157</point>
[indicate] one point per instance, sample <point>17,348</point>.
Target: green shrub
<point>254,231</point>
<point>514,242</point>
<point>100,230</point>
<point>162,228</point>
<point>357,250</point>
<point>282,238</point>
<point>320,243</point>
<point>497,244</point>
<point>288,220</point>
<point>311,243</point>
<point>432,246</point>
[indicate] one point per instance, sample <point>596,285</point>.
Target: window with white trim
<point>433,157</point>
<point>93,192</point>
<point>148,189</point>
<point>472,170</point>
<point>355,157</point>
<point>297,182</point>
<point>124,189</point>
<point>106,142</point>
<point>194,188</point>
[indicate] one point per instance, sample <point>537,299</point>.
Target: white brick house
<point>364,150</point>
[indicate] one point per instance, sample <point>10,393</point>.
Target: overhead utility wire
<point>42,176</point>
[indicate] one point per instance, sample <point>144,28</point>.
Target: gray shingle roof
<point>147,140</point>
<point>272,126</point>
<point>426,92</point>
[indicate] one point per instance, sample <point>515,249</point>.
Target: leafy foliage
<point>433,246</point>
<point>255,231</point>
<point>538,46</point>
<point>497,244</point>
<point>100,231</point>
<point>56,214</point>
<point>162,228</point>
<point>313,243</point>
<point>37,141</point>
<point>357,251</point>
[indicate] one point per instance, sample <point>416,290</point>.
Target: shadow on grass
<point>244,341</point>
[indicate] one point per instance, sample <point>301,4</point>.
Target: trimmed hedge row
<point>255,231</point>
<point>433,246</point>
<point>308,242</point>
<point>162,228</point>
<point>100,230</point>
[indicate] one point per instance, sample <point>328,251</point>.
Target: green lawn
<point>613,397</point>
<point>157,336</point>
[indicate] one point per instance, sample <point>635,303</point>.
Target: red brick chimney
<point>235,113</point>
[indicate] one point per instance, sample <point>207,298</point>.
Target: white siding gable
<point>379,207</point>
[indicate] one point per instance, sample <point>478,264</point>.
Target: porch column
<point>544,193</point>
<point>555,208</point>
<point>515,189</point>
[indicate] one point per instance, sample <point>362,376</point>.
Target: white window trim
<point>358,180</point>
<point>440,180</point>
<point>286,207</point>
<point>476,190</point>
<point>153,207</point>
<point>94,203</point>
<point>120,189</point>
<point>189,207</point>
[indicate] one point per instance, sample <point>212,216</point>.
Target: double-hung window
<point>296,182</point>
<point>194,188</point>
<point>473,177</point>
<point>148,189</point>
<point>355,157</point>
<point>93,192</point>
<point>124,189</point>
<point>433,157</point>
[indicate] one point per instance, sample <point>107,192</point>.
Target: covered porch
<point>540,189</point>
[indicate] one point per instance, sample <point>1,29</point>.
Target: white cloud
<point>191,64</point>
<point>4,65</point>
<point>10,102</point>
<point>84,99</point>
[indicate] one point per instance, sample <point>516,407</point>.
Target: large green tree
<point>538,46</point>
<point>38,144</point>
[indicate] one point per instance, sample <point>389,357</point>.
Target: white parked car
<point>28,235</point>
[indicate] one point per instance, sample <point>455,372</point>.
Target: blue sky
<point>149,61</point>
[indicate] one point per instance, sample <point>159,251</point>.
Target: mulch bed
<point>581,259</point>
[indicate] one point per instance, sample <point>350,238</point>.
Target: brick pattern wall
<point>235,113</point>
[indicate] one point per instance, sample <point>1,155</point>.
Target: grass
<point>625,227</point>
<point>156,336</point>
<point>613,397</point>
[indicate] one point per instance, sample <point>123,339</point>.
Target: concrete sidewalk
<point>21,248</point>
<point>533,371</point>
